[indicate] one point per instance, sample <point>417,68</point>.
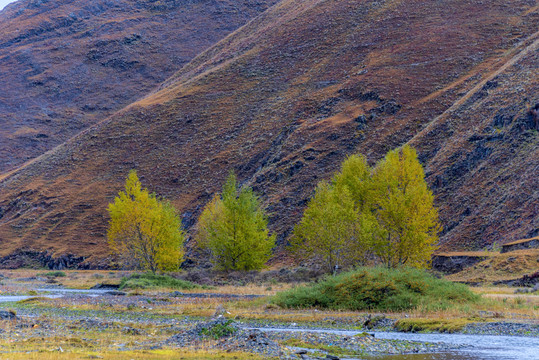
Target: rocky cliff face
<point>286,98</point>
<point>64,65</point>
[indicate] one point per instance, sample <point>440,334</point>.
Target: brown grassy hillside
<point>285,99</point>
<point>65,64</point>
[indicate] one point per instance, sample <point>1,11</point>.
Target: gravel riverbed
<point>144,322</point>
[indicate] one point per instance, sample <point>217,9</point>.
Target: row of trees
<point>383,214</point>
<point>146,232</point>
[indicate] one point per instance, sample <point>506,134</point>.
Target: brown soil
<point>286,98</point>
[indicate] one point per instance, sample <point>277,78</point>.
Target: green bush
<point>219,330</point>
<point>431,325</point>
<point>378,289</point>
<point>145,281</point>
<point>53,274</point>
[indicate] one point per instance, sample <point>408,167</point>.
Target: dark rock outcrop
<point>454,263</point>
<point>521,245</point>
<point>42,259</point>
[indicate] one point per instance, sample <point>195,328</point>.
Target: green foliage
<point>53,274</point>
<point>219,330</point>
<point>32,300</point>
<point>144,232</point>
<point>377,289</point>
<point>148,281</point>
<point>334,228</point>
<point>332,349</point>
<point>233,227</point>
<point>430,325</point>
<point>329,227</point>
<point>386,210</point>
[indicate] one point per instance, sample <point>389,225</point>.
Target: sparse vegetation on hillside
<point>144,232</point>
<point>233,227</point>
<point>283,101</point>
<point>378,289</point>
<point>89,61</point>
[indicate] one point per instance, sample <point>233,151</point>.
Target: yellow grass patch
<point>128,355</point>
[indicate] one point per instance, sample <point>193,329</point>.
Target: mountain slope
<point>66,64</point>
<point>483,155</point>
<point>283,101</point>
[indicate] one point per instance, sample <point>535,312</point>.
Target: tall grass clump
<point>53,274</point>
<point>146,281</point>
<point>378,289</point>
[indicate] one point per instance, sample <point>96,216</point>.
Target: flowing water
<point>471,347</point>
<point>52,294</point>
<point>478,347</point>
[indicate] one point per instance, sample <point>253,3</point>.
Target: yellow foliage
<point>331,228</point>
<point>386,211</point>
<point>144,231</point>
<point>404,208</point>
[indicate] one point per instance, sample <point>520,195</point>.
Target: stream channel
<point>471,347</point>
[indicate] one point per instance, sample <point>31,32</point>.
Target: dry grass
<point>468,253</point>
<point>126,355</point>
<point>438,325</point>
<point>85,279</point>
<point>74,279</point>
<point>510,265</point>
<point>522,241</point>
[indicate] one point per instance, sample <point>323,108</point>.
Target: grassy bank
<point>153,281</point>
<point>378,289</point>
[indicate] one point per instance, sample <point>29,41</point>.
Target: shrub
<point>430,325</point>
<point>145,281</point>
<point>219,329</point>
<point>377,289</point>
<point>53,274</point>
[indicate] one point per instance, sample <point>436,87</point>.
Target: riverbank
<point>163,323</point>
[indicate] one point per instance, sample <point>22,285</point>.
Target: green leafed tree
<point>233,228</point>
<point>331,230</point>
<point>335,229</point>
<point>404,209</point>
<point>144,232</point>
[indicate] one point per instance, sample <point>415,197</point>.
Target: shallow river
<point>52,294</point>
<point>477,347</point>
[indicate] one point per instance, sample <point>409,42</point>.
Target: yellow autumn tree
<point>404,208</point>
<point>144,232</point>
<point>335,228</point>
<point>384,215</point>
